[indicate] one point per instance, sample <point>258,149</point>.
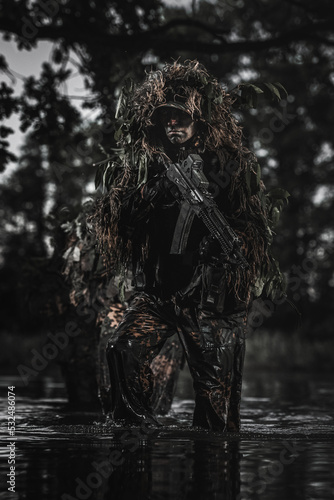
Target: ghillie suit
<point>196,295</point>
<point>93,299</point>
<point>93,313</point>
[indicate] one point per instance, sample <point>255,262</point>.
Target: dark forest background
<point>106,42</point>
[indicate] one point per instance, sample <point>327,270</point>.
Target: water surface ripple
<point>283,451</point>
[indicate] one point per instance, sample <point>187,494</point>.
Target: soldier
<point>198,296</point>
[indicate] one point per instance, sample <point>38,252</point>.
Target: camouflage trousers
<point>212,343</point>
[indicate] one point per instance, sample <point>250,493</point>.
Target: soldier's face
<point>178,125</point>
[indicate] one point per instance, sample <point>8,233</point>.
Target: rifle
<point>195,199</point>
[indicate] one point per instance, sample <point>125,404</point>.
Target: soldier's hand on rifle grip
<point>210,251</point>
<point>159,188</point>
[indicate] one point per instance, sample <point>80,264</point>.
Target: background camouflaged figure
<point>198,299</point>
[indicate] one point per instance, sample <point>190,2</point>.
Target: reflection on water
<point>284,450</point>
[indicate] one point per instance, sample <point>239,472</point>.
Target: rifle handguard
<point>194,196</point>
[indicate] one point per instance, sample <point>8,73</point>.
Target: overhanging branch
<point>157,39</point>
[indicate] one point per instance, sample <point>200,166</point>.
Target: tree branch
<point>156,39</point>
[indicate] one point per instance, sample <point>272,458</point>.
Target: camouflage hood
<point>190,87</point>
<point>187,86</point>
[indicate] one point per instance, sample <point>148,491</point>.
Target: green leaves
<point>142,170</point>
<point>271,283</point>
<point>108,169</point>
<point>247,94</point>
<point>209,91</point>
<point>122,108</point>
<point>278,194</point>
<point>253,179</point>
<point>282,90</point>
<point>276,199</point>
<point>275,283</point>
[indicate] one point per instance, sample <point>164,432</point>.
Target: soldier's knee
<point>114,347</point>
<point>120,345</point>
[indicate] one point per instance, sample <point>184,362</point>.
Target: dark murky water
<point>284,451</point>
